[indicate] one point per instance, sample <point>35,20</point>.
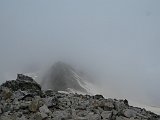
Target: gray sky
<point>119,40</point>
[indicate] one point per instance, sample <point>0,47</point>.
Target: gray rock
<point>48,101</point>
<point>24,103</point>
<point>62,76</point>
<point>130,113</point>
<point>36,116</point>
<point>98,97</point>
<point>81,118</point>
<point>34,105</point>
<point>6,93</point>
<point>106,114</point>
<point>119,105</point>
<point>108,106</point>
<point>22,118</point>
<point>44,109</point>
<point>18,95</point>
<point>94,117</point>
<point>59,115</point>
<point>5,118</point>
<point>43,115</point>
<point>121,118</point>
<point>23,83</point>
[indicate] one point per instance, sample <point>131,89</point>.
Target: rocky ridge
<point>23,99</point>
<point>62,77</point>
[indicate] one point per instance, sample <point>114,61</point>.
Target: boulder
<point>106,114</point>
<point>6,93</point>
<point>23,83</point>
<point>34,105</point>
<point>44,109</point>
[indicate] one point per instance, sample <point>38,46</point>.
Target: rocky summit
<point>23,99</point>
<point>61,77</point>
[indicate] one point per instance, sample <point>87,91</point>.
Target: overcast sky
<point>120,40</point>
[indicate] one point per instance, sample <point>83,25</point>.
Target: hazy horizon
<point>119,41</point>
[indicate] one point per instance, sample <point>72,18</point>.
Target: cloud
<point>116,42</point>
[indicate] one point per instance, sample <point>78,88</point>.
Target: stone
<point>5,118</point>
<point>44,109</point>
<point>18,95</point>
<point>119,105</point>
<point>80,118</point>
<point>108,106</point>
<point>34,105</point>
<point>106,114</point>
<point>44,115</point>
<point>98,97</point>
<point>121,118</point>
<point>22,118</point>
<point>50,101</point>
<point>24,104</point>
<point>37,116</point>
<point>129,113</point>
<point>60,115</point>
<point>6,93</point>
<point>94,117</point>
<point>23,83</point>
<point>126,102</point>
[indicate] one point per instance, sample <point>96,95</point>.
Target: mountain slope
<point>27,101</point>
<point>62,77</point>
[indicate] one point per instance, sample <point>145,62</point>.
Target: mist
<point>117,41</point>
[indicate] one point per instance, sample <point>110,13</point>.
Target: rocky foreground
<point>23,99</point>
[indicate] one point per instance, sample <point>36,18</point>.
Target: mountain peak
<point>61,77</point>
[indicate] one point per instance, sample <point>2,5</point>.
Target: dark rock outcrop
<point>23,83</point>
<point>62,76</point>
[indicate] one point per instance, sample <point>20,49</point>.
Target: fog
<point>117,41</point>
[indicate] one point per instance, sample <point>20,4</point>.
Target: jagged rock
<point>37,116</point>
<point>34,105</point>
<point>5,118</point>
<point>105,105</point>
<point>106,114</point>
<point>6,93</point>
<point>44,109</point>
<point>22,118</point>
<point>129,113</point>
<point>44,115</point>
<point>22,104</point>
<point>23,83</point>
<point>60,115</point>
<point>49,101</point>
<point>94,117</point>
<point>126,102</point>
<point>18,95</point>
<point>108,105</point>
<point>24,77</point>
<point>98,96</point>
<point>119,105</point>
<point>62,76</point>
